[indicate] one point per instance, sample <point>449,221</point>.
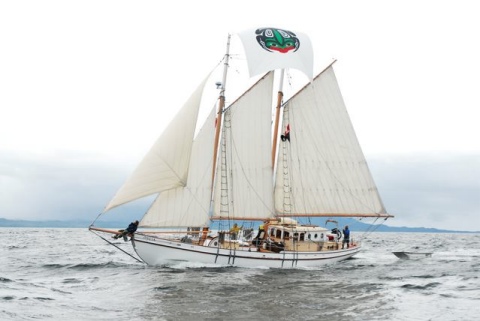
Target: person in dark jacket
<point>346,237</point>
<point>261,233</point>
<point>128,231</point>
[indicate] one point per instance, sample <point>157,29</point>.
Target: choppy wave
<point>421,287</point>
<point>48,274</point>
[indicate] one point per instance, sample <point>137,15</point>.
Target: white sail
<point>166,164</point>
<point>271,48</point>
<point>322,169</point>
<point>244,186</point>
<point>188,206</point>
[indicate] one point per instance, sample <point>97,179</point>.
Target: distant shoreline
<point>120,224</point>
<point>59,224</point>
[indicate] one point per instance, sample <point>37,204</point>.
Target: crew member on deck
<point>346,237</point>
<point>128,231</point>
<point>261,233</point>
<point>234,231</point>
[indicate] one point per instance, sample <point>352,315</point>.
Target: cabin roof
<point>299,228</point>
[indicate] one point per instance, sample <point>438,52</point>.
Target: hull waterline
<point>158,252</point>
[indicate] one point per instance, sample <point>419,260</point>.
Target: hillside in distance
<point>354,225</point>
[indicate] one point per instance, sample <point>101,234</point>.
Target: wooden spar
<point>277,118</point>
<point>221,105</point>
<point>227,218</point>
<point>383,215</point>
<point>149,232</point>
<point>103,230</point>
<point>306,215</point>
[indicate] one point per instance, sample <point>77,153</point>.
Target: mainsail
<point>321,170</point>
<point>244,186</point>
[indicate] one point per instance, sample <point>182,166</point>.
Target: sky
<point>86,87</point>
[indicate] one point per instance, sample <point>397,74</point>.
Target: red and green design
<point>278,40</point>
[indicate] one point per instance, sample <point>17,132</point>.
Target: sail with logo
<point>265,174</point>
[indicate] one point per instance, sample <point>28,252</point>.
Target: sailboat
<point>245,166</point>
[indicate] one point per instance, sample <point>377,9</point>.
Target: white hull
<point>155,251</point>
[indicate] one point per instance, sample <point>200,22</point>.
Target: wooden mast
<point>277,118</point>
<point>218,125</point>
<point>221,105</point>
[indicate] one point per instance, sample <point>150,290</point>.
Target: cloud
<point>430,190</point>
<point>421,190</point>
<point>56,186</point>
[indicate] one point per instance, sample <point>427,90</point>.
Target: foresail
<point>165,165</point>
<point>321,168</point>
<point>243,182</point>
<point>268,49</point>
<point>188,206</point>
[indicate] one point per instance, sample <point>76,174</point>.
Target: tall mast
<point>221,105</point>
<point>277,117</point>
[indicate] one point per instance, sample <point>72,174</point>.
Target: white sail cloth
<point>244,172</point>
<point>261,59</point>
<point>166,164</point>
<point>188,206</point>
<point>243,183</point>
<point>321,169</point>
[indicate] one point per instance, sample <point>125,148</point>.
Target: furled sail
<point>243,183</point>
<point>271,48</point>
<point>166,164</point>
<point>321,168</point>
<point>188,206</point>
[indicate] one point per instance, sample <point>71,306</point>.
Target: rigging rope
<point>91,224</point>
<point>287,190</point>
<point>116,246</point>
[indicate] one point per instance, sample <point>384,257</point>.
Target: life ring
<point>211,242</point>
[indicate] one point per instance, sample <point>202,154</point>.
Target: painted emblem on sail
<point>268,49</point>
<point>277,40</point>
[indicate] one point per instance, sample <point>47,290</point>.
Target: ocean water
<point>71,274</point>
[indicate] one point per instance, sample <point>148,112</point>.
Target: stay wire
<point>117,247</point>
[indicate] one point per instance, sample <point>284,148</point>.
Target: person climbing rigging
<point>286,135</point>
